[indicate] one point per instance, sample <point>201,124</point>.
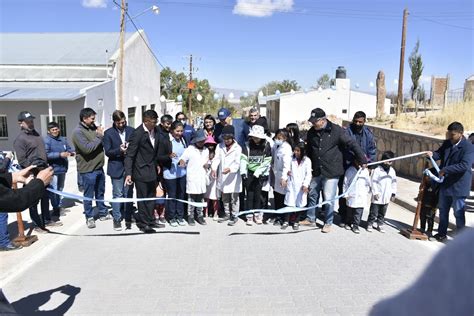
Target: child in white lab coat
<point>195,158</point>
<point>281,163</point>
<point>211,192</point>
<point>356,194</point>
<point>384,188</point>
<point>297,186</point>
<point>226,170</point>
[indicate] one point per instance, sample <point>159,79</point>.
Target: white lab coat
<point>267,185</point>
<point>195,172</point>
<point>231,182</point>
<point>358,195</point>
<point>211,192</point>
<point>281,164</point>
<point>383,184</point>
<point>300,175</point>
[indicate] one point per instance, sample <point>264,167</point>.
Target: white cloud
<point>262,8</point>
<point>94,3</point>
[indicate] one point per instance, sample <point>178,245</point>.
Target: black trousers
<point>353,216</point>
<point>45,215</point>
<point>145,215</point>
<point>377,213</point>
<point>342,203</point>
<point>279,200</point>
<point>427,215</point>
<point>254,191</point>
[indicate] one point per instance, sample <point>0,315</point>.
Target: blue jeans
<point>94,186</point>
<point>329,188</point>
<point>176,189</point>
<point>120,190</point>
<point>445,203</point>
<point>4,236</point>
<point>57,184</point>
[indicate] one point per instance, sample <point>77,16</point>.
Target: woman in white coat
<point>226,169</point>
<point>281,163</point>
<point>297,187</point>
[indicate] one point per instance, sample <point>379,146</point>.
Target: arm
<point>371,146</point>
<point>244,161</point>
<point>394,182</point>
<point>4,165</point>
<point>51,155</point>
<point>108,148</point>
<point>20,150</point>
<point>464,165</point>
<point>84,145</point>
<point>374,179</point>
<point>308,173</point>
<point>131,152</point>
<point>351,144</point>
<point>235,165</point>
<point>286,164</point>
<point>164,152</point>
<point>20,199</point>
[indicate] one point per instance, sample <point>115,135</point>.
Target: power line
<point>443,23</point>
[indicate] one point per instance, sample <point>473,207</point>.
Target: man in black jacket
<point>326,143</point>
<point>141,168</point>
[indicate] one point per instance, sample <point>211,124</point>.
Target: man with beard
<point>364,137</point>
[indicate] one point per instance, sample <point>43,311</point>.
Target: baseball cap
<point>316,114</point>
<point>223,113</point>
<point>25,115</point>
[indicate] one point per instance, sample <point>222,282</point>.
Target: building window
<point>344,111</point>
<point>3,126</point>
<point>143,109</point>
<point>152,107</point>
<point>131,116</point>
<point>58,118</point>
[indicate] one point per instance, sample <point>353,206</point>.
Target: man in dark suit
<point>456,155</point>
<point>115,143</point>
<point>141,168</point>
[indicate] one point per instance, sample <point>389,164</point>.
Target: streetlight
<point>123,21</point>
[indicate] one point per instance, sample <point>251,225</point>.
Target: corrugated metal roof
<point>43,91</point>
<point>58,48</point>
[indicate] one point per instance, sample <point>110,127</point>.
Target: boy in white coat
<point>226,167</point>
<point>356,195</point>
<point>384,188</point>
<point>195,158</point>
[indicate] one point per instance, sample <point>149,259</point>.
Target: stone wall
<point>404,143</point>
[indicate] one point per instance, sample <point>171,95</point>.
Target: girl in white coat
<point>297,186</point>
<point>195,158</point>
<point>211,192</point>
<point>281,163</point>
<point>358,195</point>
<point>226,170</point>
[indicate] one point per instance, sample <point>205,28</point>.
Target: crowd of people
<point>231,166</point>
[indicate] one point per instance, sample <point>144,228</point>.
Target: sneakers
<point>296,226</point>
<point>117,225</point>
<point>191,221</point>
<point>381,229</point>
<point>215,217</point>
<point>355,230</point>
<point>157,224</point>
<point>369,228</point>
<point>224,219</point>
<point>90,222</point>
<point>308,222</point>
<point>347,227</point>
<point>276,222</point>
<point>326,228</point>
<point>162,220</point>
<point>10,247</point>
<point>105,217</point>
<point>233,221</point>
<point>181,222</point>
<point>440,238</point>
<point>201,220</point>
<point>249,221</point>
<point>53,224</point>
<point>284,225</point>
<point>258,220</point>
<point>173,223</point>
<point>128,225</point>
<point>342,225</point>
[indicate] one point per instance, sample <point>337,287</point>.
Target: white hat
<point>257,131</point>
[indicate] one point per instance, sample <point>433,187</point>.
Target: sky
<point>242,44</point>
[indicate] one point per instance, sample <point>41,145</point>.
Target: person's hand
<point>305,189</point>
<point>182,163</point>
<point>172,155</point>
<point>100,130</point>
<point>226,171</point>
<point>283,183</point>
<point>46,175</point>
<point>64,154</point>
<point>123,148</point>
<point>376,197</point>
<point>392,198</point>
<point>213,174</point>
<point>128,180</point>
<point>429,154</point>
<point>158,169</point>
<point>22,175</point>
<point>9,155</point>
<point>442,173</point>
<point>363,166</point>
<point>72,154</point>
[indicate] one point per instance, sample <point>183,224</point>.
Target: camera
<point>40,165</point>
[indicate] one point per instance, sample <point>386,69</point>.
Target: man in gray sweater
<point>87,139</point>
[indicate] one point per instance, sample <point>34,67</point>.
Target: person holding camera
<point>57,151</point>
<point>87,139</point>
<point>30,150</point>
<point>115,143</point>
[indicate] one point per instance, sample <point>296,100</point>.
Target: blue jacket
<point>188,133</point>
<point>366,142</point>
<point>456,162</point>
<point>54,147</point>
<point>112,142</point>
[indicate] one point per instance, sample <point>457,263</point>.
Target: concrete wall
<point>101,98</point>
<point>403,143</point>
<point>11,108</point>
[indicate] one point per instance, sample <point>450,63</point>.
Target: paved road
<point>215,269</point>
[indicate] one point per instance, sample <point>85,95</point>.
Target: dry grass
<point>435,122</point>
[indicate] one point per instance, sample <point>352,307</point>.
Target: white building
<point>339,101</point>
<point>54,75</point>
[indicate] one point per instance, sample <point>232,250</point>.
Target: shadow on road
<point>275,233</point>
<point>125,234</point>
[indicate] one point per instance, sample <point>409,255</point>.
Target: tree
<point>249,101</point>
<point>416,67</point>
<point>283,86</point>
<point>324,81</point>
<point>288,85</point>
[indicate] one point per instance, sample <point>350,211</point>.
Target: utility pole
<point>190,85</point>
<point>123,9</point>
<point>402,62</point>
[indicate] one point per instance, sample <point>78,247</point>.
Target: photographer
<point>30,150</point>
